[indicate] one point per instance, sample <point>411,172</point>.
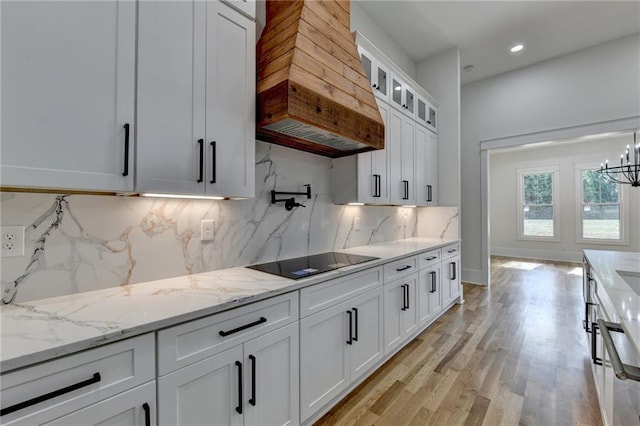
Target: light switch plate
<point>207,230</point>
<point>12,240</point>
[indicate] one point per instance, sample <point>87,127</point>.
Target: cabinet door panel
<point>393,303</point>
<point>394,145</point>
<point>230,91</point>
<point>369,347</point>
<point>379,159</point>
<point>206,391</point>
<point>435,298</point>
<point>276,378</point>
<point>428,294</point>
<point>452,288</point>
<point>408,158</point>
<point>68,72</point>
<point>410,315</point>
<point>432,167</point>
<point>171,97</point>
<point>426,167</point>
<point>324,364</point>
<point>124,409</point>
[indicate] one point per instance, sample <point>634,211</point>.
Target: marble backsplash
<point>77,243</point>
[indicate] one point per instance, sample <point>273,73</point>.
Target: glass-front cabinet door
<point>403,96</point>
<point>376,73</point>
<point>426,113</point>
<point>409,100</point>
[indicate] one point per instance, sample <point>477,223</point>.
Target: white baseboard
<point>563,256</point>
<point>472,276</point>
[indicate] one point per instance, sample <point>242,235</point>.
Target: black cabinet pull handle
<point>47,396</point>
<point>408,296</point>
<point>239,407</point>
<point>586,323</point>
<point>431,258</point>
<point>213,162</point>
<point>452,251</point>
<point>200,173</point>
<point>433,282</point>
<point>147,414</point>
<point>244,327</point>
<point>350,341</point>
<point>406,189</point>
<point>252,400</point>
<point>453,270</point>
<point>594,353</point>
<point>404,298</point>
<point>429,194</point>
<point>126,150</point>
<point>355,311</point>
<point>404,268</point>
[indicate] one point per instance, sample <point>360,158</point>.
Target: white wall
<point>362,22</point>
<point>504,203</point>
<point>593,85</point>
<point>440,76</point>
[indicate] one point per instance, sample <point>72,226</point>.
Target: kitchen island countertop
<point>620,300</point>
<point>40,330</point>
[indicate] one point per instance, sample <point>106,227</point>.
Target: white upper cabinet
<point>196,99</point>
<point>68,74</point>
<point>363,178</point>
<point>230,102</point>
<point>248,7</point>
<point>406,171</point>
<point>426,114</point>
<point>426,157</point>
<point>403,96</point>
<point>401,159</point>
<point>377,73</point>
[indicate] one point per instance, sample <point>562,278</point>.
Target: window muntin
<point>538,211</point>
<point>600,216</point>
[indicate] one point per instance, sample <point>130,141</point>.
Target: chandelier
<point>628,172</point>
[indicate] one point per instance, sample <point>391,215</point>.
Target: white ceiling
<point>485,30</point>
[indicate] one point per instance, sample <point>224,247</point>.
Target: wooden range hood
<point>313,93</point>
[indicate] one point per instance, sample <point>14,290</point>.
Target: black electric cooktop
<point>305,266</point>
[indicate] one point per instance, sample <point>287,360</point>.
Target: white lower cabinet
<point>400,311</point>
<point>451,279</point>
<point>255,383</point>
<point>97,386</point>
<point>337,346</point>
<point>132,408</point>
<point>429,294</point>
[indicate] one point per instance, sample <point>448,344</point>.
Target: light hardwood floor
<point>514,354</point>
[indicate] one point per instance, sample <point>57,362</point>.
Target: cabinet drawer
<point>193,341</point>
<point>400,268</point>
<point>321,296</point>
<point>428,258</point>
<point>450,251</point>
<point>76,381</point>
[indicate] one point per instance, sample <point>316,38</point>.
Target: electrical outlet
<point>356,223</point>
<point>207,230</point>
<point>12,240</point>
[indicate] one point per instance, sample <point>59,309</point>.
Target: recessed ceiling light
<point>516,48</point>
<point>468,68</point>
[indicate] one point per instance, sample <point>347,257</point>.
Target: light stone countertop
<point>41,330</point>
<point>620,301</point>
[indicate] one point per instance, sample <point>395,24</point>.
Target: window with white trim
<point>537,203</point>
<point>601,212</point>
